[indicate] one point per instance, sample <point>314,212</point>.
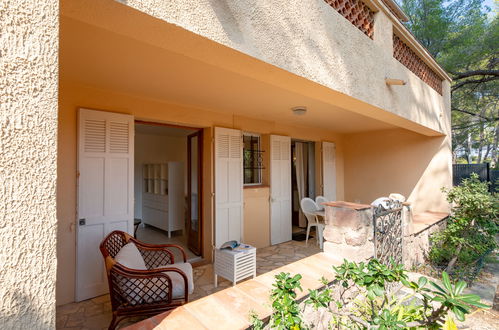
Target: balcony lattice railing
<point>405,55</point>
<point>357,12</point>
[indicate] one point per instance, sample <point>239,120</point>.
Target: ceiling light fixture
<point>299,111</point>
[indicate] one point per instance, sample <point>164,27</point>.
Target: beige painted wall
<point>28,163</point>
<point>401,161</point>
<point>74,95</point>
<point>256,229</point>
<point>398,161</point>
<point>312,40</point>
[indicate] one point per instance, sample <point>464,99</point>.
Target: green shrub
<point>471,228</point>
<point>287,315</point>
<point>372,306</point>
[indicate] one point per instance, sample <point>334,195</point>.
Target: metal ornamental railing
<point>388,234</point>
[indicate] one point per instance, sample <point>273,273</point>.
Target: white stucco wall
<point>28,154</point>
<point>312,40</point>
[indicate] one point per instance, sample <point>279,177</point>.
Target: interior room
<point>302,181</point>
<point>162,182</point>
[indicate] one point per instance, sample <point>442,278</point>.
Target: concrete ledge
<point>417,244</point>
<point>423,221</point>
<point>230,308</point>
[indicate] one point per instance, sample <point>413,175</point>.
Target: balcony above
<point>303,47</point>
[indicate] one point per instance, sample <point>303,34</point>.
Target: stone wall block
<point>333,234</point>
<point>349,233</point>
<point>351,253</point>
<point>356,237</point>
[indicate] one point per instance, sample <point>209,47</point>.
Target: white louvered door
<point>105,192</point>
<point>280,189</point>
<point>329,170</point>
<point>228,185</point>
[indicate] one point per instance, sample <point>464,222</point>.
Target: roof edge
<point>396,10</point>
<point>404,32</point>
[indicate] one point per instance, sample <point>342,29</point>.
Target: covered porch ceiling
<point>106,60</point>
<point>112,59</point>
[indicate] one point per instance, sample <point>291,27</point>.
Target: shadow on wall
<point>250,33</point>
<point>229,23</point>
<point>331,52</point>
<point>22,307</point>
<point>379,163</point>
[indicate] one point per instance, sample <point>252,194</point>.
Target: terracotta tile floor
<point>96,313</point>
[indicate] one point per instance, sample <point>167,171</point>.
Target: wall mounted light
<point>299,111</point>
<point>391,81</point>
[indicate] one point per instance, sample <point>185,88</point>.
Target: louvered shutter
<point>280,189</point>
<point>329,170</point>
<point>105,191</point>
<point>228,185</point>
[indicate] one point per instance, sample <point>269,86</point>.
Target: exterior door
<point>280,189</point>
<point>329,170</point>
<point>105,192</point>
<point>194,189</point>
<point>228,185</point>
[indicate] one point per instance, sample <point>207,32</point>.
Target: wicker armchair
<point>141,292</point>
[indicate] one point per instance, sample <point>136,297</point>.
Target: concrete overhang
<point>112,46</point>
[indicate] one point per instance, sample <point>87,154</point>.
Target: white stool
<point>236,264</point>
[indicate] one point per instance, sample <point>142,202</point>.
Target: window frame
<point>259,170</point>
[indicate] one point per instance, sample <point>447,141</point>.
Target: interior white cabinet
<point>163,196</point>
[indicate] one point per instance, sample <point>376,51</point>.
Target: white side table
<point>236,264</point>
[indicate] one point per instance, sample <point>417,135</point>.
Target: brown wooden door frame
<point>195,239</point>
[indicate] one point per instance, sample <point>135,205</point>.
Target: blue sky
<point>492,4</point>
<point>493,7</point>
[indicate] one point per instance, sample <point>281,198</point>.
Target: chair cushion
<point>129,256</point>
<point>178,280</point>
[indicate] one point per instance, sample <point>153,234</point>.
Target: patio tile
<point>97,321</point>
<point>215,315</point>
<point>240,303</point>
<point>323,258</point>
<point>179,318</point>
<point>268,279</point>
<point>94,310</point>
<point>60,321</point>
<point>256,290</point>
<point>101,299</point>
<point>307,282</point>
<point>68,308</point>
<point>326,271</point>
<point>143,325</point>
<point>96,313</point>
<point>75,320</point>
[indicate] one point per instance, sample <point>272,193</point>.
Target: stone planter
<point>349,231</point>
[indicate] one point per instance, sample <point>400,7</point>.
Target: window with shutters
<point>253,161</point>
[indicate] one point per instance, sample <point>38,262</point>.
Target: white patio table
<point>235,264</point>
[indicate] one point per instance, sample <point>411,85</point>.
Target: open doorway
<point>302,179</point>
<point>167,177</point>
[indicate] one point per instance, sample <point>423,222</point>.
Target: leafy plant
<point>370,304</point>
<point>287,310</point>
<point>471,228</point>
<point>451,298</point>
<point>256,323</point>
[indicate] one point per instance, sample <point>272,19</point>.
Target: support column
<point>28,163</point>
<point>349,231</point>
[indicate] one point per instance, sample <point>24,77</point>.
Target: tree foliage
<point>471,228</point>
<point>463,36</point>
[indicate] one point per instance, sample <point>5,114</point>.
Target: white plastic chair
<point>309,209</point>
<point>320,200</point>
